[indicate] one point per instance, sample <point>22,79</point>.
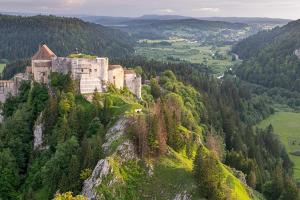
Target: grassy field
<point>287,127</point>
<point>216,58</point>
<point>2,66</point>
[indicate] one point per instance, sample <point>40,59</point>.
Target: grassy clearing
<point>287,127</point>
<point>2,66</point>
<point>172,173</point>
<point>234,188</point>
<point>216,58</point>
<point>122,105</point>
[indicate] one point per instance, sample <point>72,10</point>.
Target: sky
<point>288,9</point>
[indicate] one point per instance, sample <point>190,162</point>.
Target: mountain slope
<point>270,58</point>
<point>20,37</point>
<point>172,149</point>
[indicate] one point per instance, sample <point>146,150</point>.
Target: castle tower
<point>116,75</point>
<point>41,64</point>
<point>103,62</point>
<point>133,82</point>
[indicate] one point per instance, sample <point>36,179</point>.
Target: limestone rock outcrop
<point>38,133</point>
<point>124,151</point>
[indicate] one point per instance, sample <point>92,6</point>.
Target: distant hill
<point>108,20</point>
<point>164,17</point>
<point>270,58</point>
<point>20,37</point>
<point>249,20</point>
<point>201,31</point>
<point>214,30</point>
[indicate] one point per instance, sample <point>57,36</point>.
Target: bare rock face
<point>101,170</point>
<point>240,175</point>
<point>183,196</point>
<point>115,133</point>
<point>38,133</point>
<point>124,151</point>
<point>297,53</point>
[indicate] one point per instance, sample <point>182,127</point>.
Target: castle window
<point>114,77</point>
<point>95,70</point>
<point>81,70</point>
<point>90,70</point>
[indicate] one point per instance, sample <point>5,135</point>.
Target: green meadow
<point>216,58</point>
<point>2,66</point>
<point>287,127</point>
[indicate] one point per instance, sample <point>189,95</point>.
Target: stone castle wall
<point>116,77</point>
<point>7,87</point>
<point>134,84</point>
<point>61,65</point>
<point>41,70</point>
<point>91,73</point>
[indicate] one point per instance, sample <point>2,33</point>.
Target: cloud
<point>73,2</point>
<point>166,10</point>
<point>194,8</point>
<point>206,9</point>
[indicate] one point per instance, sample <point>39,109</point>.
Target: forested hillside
<point>186,142</point>
<point>21,36</point>
<point>270,59</point>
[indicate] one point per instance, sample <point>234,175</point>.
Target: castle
<point>92,73</point>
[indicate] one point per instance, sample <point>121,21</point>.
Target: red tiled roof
<point>44,53</point>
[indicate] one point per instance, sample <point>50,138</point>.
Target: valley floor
<point>216,58</point>
<point>287,127</point>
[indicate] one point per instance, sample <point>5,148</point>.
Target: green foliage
<point>214,180</point>
<point>2,67</point>
<point>269,57</point>
<point>229,107</point>
<point>130,175</point>
<point>16,137</point>
<point>286,127</point>
<point>69,196</point>
<point>14,67</point>
<point>9,177</point>
<point>280,187</point>
<point>62,82</point>
<point>67,119</point>
<point>12,103</point>
<point>85,174</point>
<point>155,88</point>
<point>96,127</point>
<point>138,70</point>
<point>37,97</point>
<point>66,103</point>
<point>63,168</point>
<point>146,94</point>
<point>291,190</point>
<point>246,165</point>
<point>208,176</point>
<point>81,55</point>
<point>23,35</point>
<point>10,106</point>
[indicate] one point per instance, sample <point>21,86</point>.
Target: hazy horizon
<point>135,8</point>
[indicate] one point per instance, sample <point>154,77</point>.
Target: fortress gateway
<point>92,73</point>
